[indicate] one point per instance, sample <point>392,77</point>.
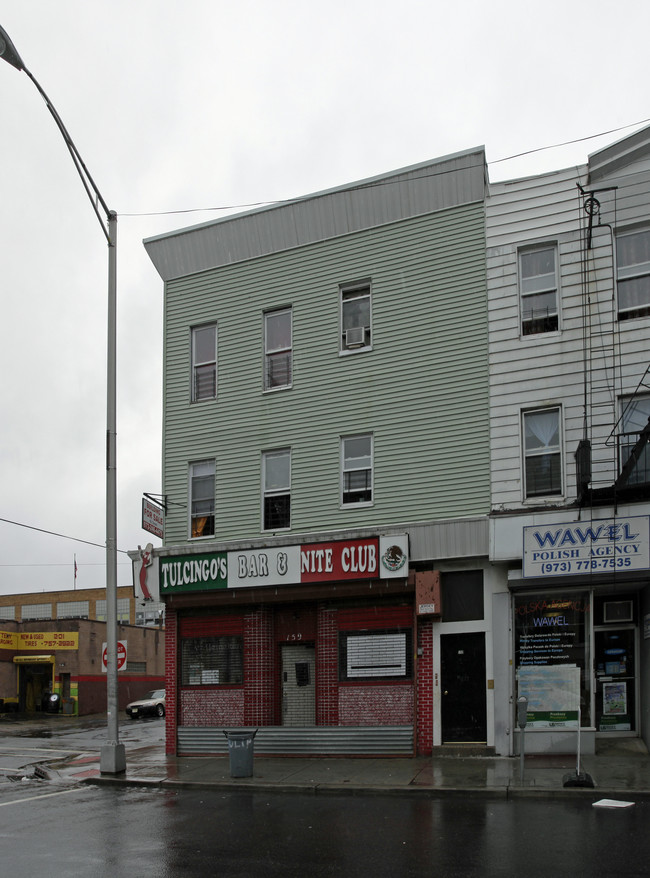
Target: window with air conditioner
<point>356,334</point>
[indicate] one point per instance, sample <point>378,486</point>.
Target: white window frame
<point>631,272</point>
<point>195,473</point>
<point>635,411</point>
<point>203,364</point>
<point>538,285</point>
<point>548,450</point>
<point>272,352</point>
<point>269,492</point>
<point>348,343</point>
<point>347,466</point>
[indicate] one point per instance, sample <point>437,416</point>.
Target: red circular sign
<point>121,656</point>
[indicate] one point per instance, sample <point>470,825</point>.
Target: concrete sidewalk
<point>620,770</point>
<point>618,773</point>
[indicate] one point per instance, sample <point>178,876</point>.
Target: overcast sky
<point>202,104</point>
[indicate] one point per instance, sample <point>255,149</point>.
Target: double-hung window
<point>276,479</point>
<point>277,349</point>
<point>356,469</point>
<point>538,290</point>
<point>633,274</point>
<point>635,414</point>
<point>204,362</point>
<point>542,453</point>
<point>202,499</point>
<point>355,317</point>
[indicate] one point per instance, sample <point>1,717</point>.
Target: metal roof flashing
<point>618,155</point>
<point>449,181</point>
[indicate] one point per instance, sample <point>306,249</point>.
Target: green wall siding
<point>422,391</point>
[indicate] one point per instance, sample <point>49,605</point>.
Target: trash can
<point>240,751</point>
<point>68,706</point>
<point>53,703</point>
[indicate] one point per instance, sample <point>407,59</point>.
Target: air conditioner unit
<point>355,337</point>
<point>618,611</point>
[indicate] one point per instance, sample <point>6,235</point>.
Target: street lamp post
<point>113,758</point>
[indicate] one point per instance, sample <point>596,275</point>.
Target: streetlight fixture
<point>113,758</point>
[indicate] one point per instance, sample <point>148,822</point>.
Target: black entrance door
<point>462,665</point>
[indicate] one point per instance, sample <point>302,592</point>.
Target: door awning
<point>34,659</point>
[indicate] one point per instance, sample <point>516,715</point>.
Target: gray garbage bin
<point>240,751</point>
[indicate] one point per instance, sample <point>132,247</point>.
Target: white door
<point>298,685</point>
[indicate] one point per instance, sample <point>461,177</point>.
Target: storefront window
<point>375,655</point>
<point>211,661</point>
<point>552,657</point>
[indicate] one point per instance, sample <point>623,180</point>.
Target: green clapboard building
<point>326,469</point>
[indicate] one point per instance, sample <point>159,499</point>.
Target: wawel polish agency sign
<point>601,546</point>
<point>372,558</point>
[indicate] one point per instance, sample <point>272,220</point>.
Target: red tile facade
<point>257,702</point>
<point>425,683</point>
<point>171,681</point>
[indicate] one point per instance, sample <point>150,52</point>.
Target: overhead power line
<point>54,534</point>
<point>252,204</point>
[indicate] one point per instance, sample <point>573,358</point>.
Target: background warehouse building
<point>53,642</point>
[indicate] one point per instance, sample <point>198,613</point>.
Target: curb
<point>506,793</point>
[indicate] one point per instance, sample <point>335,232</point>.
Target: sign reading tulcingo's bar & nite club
<point>369,558</point>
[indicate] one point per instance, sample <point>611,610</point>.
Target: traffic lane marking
<point>44,796</point>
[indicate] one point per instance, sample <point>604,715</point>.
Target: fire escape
<point>629,448</point>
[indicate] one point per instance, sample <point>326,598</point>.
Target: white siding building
<point>568,262</point>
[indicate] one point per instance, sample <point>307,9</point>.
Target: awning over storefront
<point>34,659</point>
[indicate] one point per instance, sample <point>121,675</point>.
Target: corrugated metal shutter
<point>366,618</point>
<point>305,741</point>
<point>214,626</point>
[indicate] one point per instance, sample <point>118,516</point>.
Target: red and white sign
<point>340,560</point>
<point>345,559</point>
<point>121,656</point>
<point>153,518</point>
<point>145,574</point>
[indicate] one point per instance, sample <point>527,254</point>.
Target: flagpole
<point>75,571</point>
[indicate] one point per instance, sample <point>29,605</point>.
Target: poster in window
<point>553,693</point>
<point>551,642</point>
<point>615,699</point>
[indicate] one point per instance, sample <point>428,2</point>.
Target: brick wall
<point>171,679</point>
<point>424,725</point>
<point>212,707</point>
<point>256,703</point>
<point>327,681</point>
<point>259,668</point>
<point>378,705</point>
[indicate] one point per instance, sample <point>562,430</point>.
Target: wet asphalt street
<point>84,830</point>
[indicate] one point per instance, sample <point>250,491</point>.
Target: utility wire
<point>569,142</point>
<point>54,534</point>
<point>371,184</point>
<point>67,564</point>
